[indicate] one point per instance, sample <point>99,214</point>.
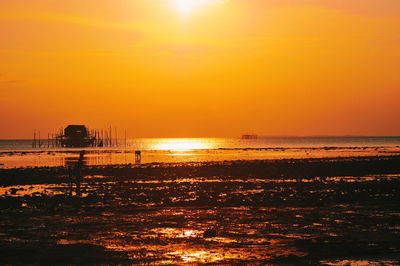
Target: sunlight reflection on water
<point>19,153</point>
<point>183,144</point>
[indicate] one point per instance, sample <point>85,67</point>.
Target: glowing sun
<point>186,7</point>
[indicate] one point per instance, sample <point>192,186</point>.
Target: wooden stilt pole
<point>116,137</point>
<point>110,136</point>
<point>34,139</point>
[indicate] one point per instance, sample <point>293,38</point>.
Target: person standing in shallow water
<point>138,156</point>
<point>76,173</point>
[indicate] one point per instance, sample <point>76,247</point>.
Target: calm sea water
<point>224,143</point>
<point>163,150</point>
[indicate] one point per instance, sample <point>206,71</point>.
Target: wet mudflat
<point>233,212</point>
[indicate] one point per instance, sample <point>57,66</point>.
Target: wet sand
<point>287,211</point>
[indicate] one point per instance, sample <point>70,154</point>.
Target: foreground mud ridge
<point>304,211</point>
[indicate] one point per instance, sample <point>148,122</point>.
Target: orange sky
<point>170,68</point>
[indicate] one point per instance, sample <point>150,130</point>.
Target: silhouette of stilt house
<point>76,136</point>
<point>79,136</point>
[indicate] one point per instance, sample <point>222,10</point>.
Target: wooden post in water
<point>125,138</point>
<point>102,137</point>
<point>106,140</point>
<point>93,135</point>
<point>110,136</point>
<point>116,137</point>
<point>34,139</point>
<point>40,144</point>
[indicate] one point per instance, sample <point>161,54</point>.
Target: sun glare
<point>186,7</point>
<point>182,144</point>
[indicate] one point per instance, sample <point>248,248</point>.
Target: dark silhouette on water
<point>75,173</point>
<point>77,136</point>
<point>138,156</point>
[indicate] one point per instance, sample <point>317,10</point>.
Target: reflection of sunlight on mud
<point>171,228</point>
<point>176,232</point>
<point>219,254</point>
<point>248,192</point>
<point>183,245</point>
<point>71,242</point>
<point>189,233</point>
<point>200,256</point>
<point>359,263</point>
<point>33,190</point>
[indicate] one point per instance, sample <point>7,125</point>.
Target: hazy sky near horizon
<point>197,68</point>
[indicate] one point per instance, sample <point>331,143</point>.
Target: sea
<point>220,143</point>
<point>21,153</point>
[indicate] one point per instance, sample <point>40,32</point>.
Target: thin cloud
<point>67,18</point>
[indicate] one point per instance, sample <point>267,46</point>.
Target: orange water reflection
<point>178,151</point>
<point>183,144</point>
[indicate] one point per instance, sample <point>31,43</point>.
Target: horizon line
<point>259,137</point>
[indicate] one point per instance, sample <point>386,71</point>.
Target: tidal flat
<point>328,211</point>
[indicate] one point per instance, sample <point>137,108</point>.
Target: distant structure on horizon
<point>249,136</point>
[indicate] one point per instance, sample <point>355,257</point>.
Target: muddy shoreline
<point>294,211</point>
